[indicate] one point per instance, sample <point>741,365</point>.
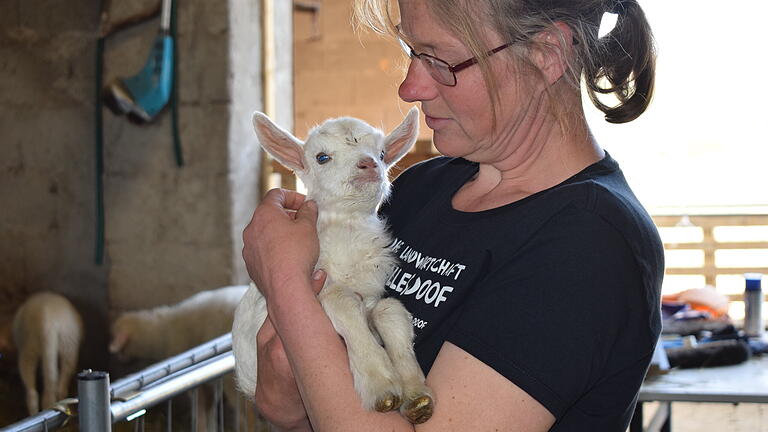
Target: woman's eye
<point>322,158</point>
<point>381,156</point>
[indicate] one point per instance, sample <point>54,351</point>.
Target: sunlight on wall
<point>703,141</point>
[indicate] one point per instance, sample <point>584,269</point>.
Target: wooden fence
<point>706,240</point>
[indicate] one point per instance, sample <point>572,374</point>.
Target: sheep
<point>344,164</point>
<point>164,331</point>
<point>46,330</point>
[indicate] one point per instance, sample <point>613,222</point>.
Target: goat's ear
<point>279,143</point>
<point>402,138</point>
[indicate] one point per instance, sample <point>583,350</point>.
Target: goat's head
<point>344,161</point>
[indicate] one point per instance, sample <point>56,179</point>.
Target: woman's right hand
<point>280,244</point>
<point>277,396</point>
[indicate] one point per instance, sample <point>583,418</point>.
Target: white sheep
<point>344,164</point>
<point>46,331</point>
<point>164,331</point>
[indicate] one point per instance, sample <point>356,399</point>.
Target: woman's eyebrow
<point>412,42</point>
<point>429,47</point>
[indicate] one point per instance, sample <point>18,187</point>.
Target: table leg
<point>667,427</point>
<point>662,418</point>
<point>636,424</point>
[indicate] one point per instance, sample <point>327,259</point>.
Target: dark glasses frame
<point>433,64</point>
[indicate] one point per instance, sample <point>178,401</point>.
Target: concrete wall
<point>47,157</point>
<point>167,228</point>
<point>170,231</point>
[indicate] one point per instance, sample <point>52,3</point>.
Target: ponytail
<point>623,65</point>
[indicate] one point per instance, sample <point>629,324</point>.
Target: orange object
<point>702,299</point>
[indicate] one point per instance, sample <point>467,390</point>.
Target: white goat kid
<point>344,165</point>
<point>47,331</point>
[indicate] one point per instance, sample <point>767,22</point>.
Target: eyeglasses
<point>440,70</point>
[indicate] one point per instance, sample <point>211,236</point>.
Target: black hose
<point>175,91</point>
<point>99,258</point>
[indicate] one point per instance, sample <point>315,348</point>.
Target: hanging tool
<point>142,96</point>
<point>143,99</point>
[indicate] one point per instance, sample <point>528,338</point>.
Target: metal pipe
<point>93,409</point>
<point>174,385</point>
<point>195,409</point>
<point>131,383</point>
<point>40,422</point>
<point>165,16</point>
<point>220,404</point>
<point>169,415</point>
<point>173,370</point>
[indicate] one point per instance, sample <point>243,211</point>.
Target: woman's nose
<point>418,85</point>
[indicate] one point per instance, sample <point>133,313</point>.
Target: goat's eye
<point>381,156</point>
<point>322,158</point>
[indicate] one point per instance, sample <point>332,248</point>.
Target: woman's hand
<point>277,396</point>
<point>280,242</point>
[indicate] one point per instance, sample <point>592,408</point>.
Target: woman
<point>541,307</point>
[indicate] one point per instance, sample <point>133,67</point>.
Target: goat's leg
<point>50,366</point>
<point>68,363</point>
<point>393,323</point>
<point>28,370</point>
<point>376,380</point>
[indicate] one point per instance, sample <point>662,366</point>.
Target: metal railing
<point>99,404</point>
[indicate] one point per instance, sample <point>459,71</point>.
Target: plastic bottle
<point>753,306</point>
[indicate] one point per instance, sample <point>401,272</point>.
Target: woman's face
<point>461,116</point>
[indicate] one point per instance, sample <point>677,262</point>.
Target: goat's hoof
<point>390,402</point>
<point>418,410</point>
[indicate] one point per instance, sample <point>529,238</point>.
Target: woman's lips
<point>434,122</point>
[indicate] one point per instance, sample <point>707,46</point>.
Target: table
<point>745,382</point>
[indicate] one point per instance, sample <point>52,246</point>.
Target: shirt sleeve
<point>549,317</point>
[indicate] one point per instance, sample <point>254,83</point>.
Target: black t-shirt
<point>559,292</point>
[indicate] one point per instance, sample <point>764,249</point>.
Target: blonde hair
<point>620,64</point>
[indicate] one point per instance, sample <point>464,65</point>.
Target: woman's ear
<point>552,50</point>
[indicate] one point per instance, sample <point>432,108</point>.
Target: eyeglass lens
<point>439,70</point>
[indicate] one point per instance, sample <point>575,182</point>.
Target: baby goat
<point>344,165</point>
<point>47,331</point>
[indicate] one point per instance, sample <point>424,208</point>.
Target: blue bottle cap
<point>753,281</point>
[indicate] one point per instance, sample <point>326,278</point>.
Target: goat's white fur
<point>47,331</point>
<point>164,331</point>
<point>354,252</point>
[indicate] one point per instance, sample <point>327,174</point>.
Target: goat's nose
<point>366,163</point>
